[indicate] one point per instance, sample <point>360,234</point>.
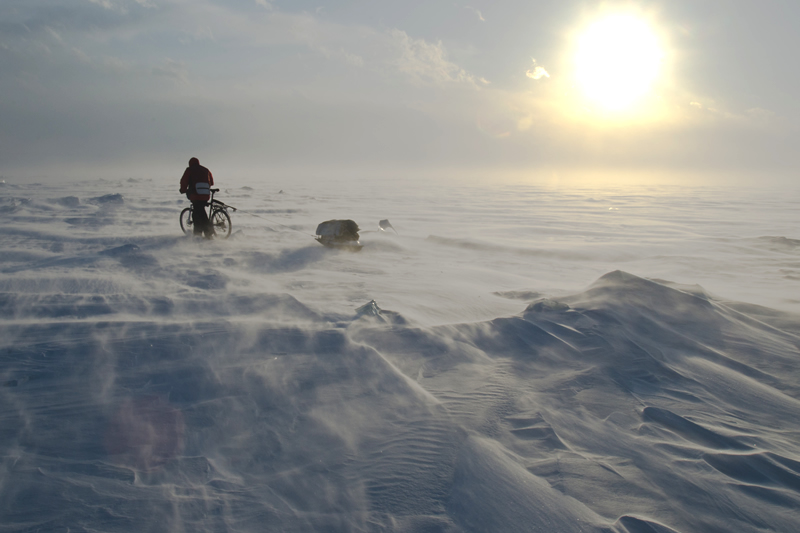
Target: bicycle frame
<point>216,203</point>
<point>217,215</point>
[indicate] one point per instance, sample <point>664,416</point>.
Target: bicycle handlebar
<point>214,190</point>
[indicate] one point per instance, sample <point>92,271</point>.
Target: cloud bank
<point>121,82</point>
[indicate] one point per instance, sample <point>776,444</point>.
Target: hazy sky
<point>474,84</point>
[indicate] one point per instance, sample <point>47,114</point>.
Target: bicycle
<point>220,219</point>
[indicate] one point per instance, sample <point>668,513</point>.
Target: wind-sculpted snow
<point>152,382</point>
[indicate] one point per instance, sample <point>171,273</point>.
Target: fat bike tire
<point>187,224</point>
<point>221,222</point>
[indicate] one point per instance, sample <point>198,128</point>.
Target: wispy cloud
<point>122,5</point>
<point>756,116</point>
<point>537,72</point>
<point>103,3</point>
<point>172,69</point>
<point>104,63</point>
<point>426,63</point>
<point>477,12</point>
<point>23,19</point>
<point>55,35</point>
<point>341,53</point>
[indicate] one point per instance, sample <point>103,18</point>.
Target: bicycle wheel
<point>221,222</point>
<point>186,221</point>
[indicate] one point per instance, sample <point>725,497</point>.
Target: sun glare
<point>618,59</point>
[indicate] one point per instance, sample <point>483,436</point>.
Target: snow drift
<point>153,383</point>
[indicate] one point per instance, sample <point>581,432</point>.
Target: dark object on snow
<point>371,311</point>
<point>338,234</point>
<point>385,225</point>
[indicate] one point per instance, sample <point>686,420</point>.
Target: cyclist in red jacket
<point>195,183</point>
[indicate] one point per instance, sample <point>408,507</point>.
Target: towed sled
<point>340,234</point>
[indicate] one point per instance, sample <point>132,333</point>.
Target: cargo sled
<point>341,234</point>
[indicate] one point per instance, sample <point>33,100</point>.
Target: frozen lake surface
<point>537,358</point>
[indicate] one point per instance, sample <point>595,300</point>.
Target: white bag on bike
<point>202,188</point>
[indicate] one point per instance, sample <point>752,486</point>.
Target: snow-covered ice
<point>511,358</point>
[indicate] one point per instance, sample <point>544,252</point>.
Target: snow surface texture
<point>154,382</point>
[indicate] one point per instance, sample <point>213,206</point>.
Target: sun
<point>618,59</point>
